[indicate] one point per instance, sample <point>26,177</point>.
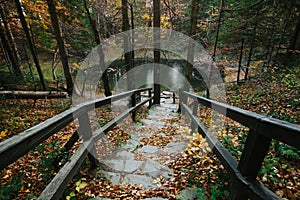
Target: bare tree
<point>156,38</point>
<point>60,45</point>
<point>30,43</point>
<point>93,24</point>
<point>12,43</point>
<point>192,32</point>
<point>127,45</point>
<point>8,50</point>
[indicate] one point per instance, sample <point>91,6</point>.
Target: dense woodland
<point>254,43</point>
<point>44,42</point>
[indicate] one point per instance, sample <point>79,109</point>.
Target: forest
<point>45,49</point>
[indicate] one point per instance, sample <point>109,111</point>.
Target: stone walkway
<point>138,163</point>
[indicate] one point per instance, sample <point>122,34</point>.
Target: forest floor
<point>275,94</point>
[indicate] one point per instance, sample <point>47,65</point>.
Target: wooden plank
<point>149,96</point>
<point>280,130</point>
<point>58,184</point>
<point>254,152</point>
<point>71,141</point>
<point>247,118</point>
<point>33,94</point>
<point>195,113</point>
<point>85,130</point>
<point>133,104</point>
<point>17,146</point>
<point>248,188</point>
<point>222,153</point>
<point>252,188</point>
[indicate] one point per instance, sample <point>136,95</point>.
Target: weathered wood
<point>85,131</point>
<point>58,184</point>
<point>133,104</point>
<point>280,130</point>
<point>254,152</point>
<point>71,141</point>
<point>150,102</point>
<point>195,112</point>
<point>32,94</point>
<point>17,146</point>
<point>222,153</point>
<point>242,186</point>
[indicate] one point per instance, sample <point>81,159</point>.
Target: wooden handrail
<point>280,130</point>
<point>19,145</point>
<point>262,130</point>
<point>58,184</point>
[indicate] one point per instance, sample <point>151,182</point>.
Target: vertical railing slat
<point>254,152</point>
<point>85,130</point>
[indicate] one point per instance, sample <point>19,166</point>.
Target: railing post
<point>86,131</point>
<point>254,152</point>
<point>180,100</point>
<point>149,95</point>
<point>195,113</point>
<point>133,104</point>
<point>174,98</point>
<point>236,191</point>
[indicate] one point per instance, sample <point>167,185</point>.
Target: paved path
<point>146,155</point>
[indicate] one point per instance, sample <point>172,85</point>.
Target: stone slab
<point>132,165</point>
<point>145,181</point>
<point>149,149</point>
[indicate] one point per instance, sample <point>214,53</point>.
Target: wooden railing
<point>262,130</point>
<point>14,148</point>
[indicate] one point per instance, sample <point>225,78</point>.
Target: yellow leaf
<point>280,193</point>
<point>72,194</point>
<point>3,133</point>
<point>82,185</point>
<point>78,182</point>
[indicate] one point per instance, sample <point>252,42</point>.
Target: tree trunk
<point>295,43</point>
<point>60,45</point>
<point>240,61</point>
<point>104,77</point>
<point>192,32</point>
<point>10,54</point>
<point>132,31</point>
<point>33,94</point>
<point>127,45</point>
<point>250,52</point>
<point>156,38</point>
<point>31,46</point>
<point>215,46</point>
<point>12,42</point>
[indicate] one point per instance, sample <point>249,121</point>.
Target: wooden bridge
<point>243,173</point>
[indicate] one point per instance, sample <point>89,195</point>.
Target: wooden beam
<point>242,186</point>
<point>33,94</point>
<point>280,130</point>
<point>254,152</point>
<point>17,146</point>
<point>58,184</point>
